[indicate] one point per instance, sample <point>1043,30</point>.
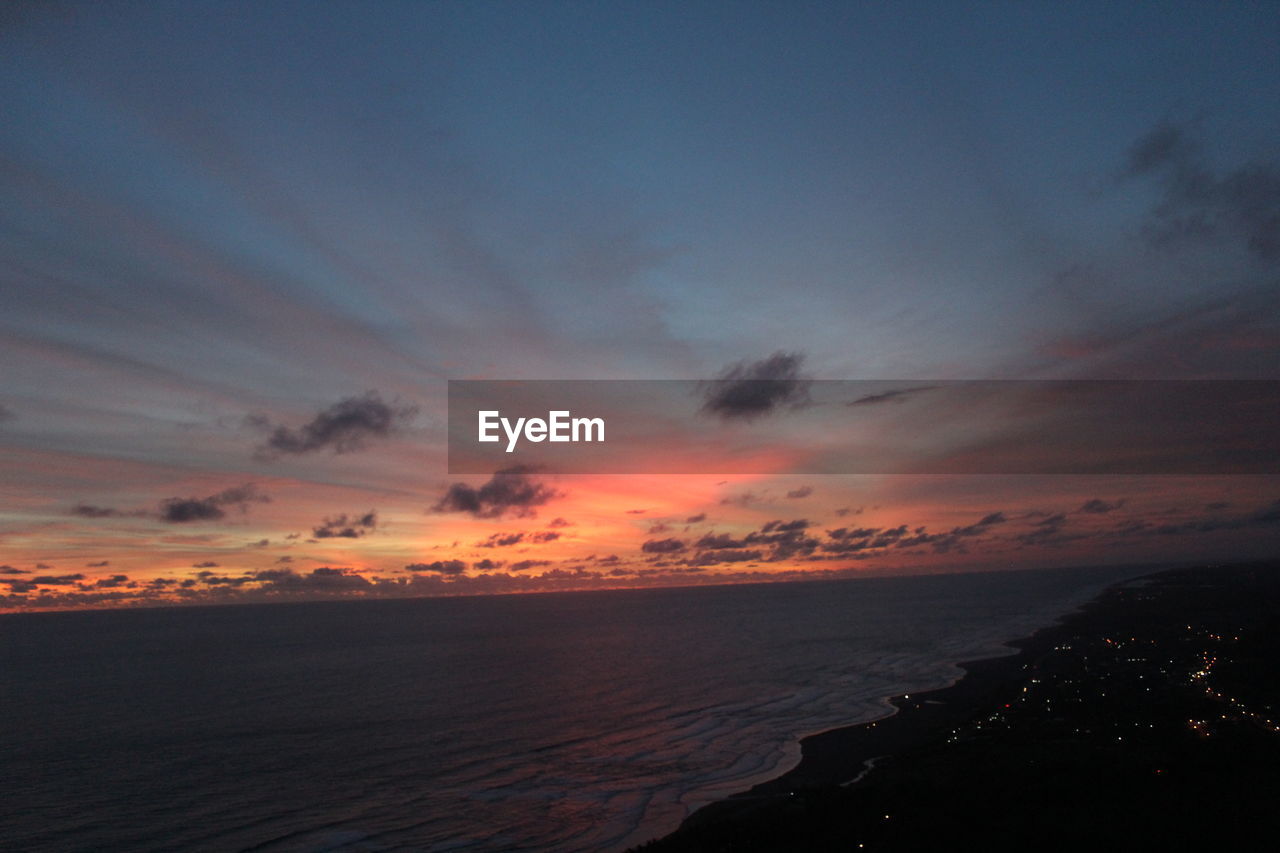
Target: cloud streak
<point>344,427</point>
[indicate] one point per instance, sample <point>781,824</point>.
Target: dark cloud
<point>323,580</point>
<point>1199,202</point>
<point>211,508</point>
<point>440,567</point>
<point>843,511</point>
<point>744,499</point>
<point>785,539</point>
<point>98,565</point>
<point>112,582</point>
<point>487,565</point>
<point>662,546</point>
<point>91,511</point>
<point>559,522</point>
<point>207,564</point>
<point>10,570</point>
<point>505,540</point>
<point>1098,506</point>
<point>694,519</point>
<point>346,426</point>
<point>748,390</point>
<point>785,526</point>
<point>214,579</point>
<point>53,580</point>
<point>659,527</point>
<point>509,492</point>
<point>981,525</point>
<point>847,533</point>
<point>776,540</point>
<point>717,541</point>
<point>636,511</point>
<point>344,527</point>
<point>727,555</point>
<point>501,540</point>
<point>525,565</point>
<point>899,395</point>
<point>802,492</point>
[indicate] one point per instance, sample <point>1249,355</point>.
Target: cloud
<point>749,390</point>
<point>744,499</point>
<point>1098,506</point>
<point>509,492</point>
<point>342,527</point>
<point>322,580</point>
<point>42,580</point>
<point>525,565</point>
<point>440,567</point>
<point>505,540</point>
<point>92,511</point>
<point>711,558</point>
<point>345,427</point>
<point>694,519</point>
<point>207,564</point>
<point>980,526</point>
<point>1198,202</point>
<point>10,570</point>
<point>98,565</point>
<point>487,565</point>
<point>559,522</point>
<point>802,492</point>
<point>785,526</point>
<point>500,540</point>
<point>6,414</point>
<point>212,508</point>
<point>716,541</point>
<point>898,395</point>
<point>662,546</point>
<point>659,527</point>
<point>111,582</point>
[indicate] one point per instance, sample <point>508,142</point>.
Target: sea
<point>571,721</point>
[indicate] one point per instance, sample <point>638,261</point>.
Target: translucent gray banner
<point>789,426</point>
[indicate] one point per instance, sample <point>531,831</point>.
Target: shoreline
<point>846,756</point>
<point>1147,718</point>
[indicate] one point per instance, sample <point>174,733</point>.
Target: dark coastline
<point>1045,727</point>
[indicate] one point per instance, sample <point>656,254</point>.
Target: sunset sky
<point>246,245</point>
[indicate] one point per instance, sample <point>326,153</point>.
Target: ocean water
<point>565,722</point>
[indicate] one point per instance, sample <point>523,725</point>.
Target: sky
<point>246,246</point>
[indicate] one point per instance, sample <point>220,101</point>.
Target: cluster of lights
<point>1208,660</point>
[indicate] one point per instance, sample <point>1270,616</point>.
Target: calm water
<point>571,721</point>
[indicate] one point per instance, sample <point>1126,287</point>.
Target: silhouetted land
<point>1149,720</point>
